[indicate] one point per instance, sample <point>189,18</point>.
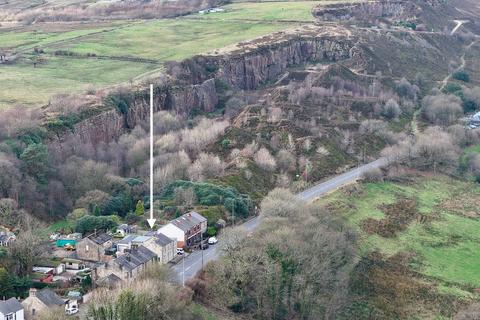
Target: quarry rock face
<point>194,86</point>
<point>103,127</point>
<point>181,100</point>
<point>248,72</point>
<point>249,69</point>
<point>366,11</point>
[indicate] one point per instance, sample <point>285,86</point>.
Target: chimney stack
<point>32,292</point>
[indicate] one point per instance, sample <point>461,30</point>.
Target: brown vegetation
<point>274,274</point>
<point>397,218</point>
<point>387,288</point>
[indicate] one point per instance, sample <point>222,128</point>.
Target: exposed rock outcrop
<point>367,10</point>
<point>192,82</point>
<point>262,60</point>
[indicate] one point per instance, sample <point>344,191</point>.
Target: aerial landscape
<point>236,159</point>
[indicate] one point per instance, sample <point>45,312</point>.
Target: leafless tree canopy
<point>274,273</point>
<point>442,109</point>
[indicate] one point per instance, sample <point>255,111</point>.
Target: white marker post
<point>151,221</point>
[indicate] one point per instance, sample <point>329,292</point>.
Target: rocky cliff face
<point>192,85</point>
<point>182,100</point>
<point>367,11</point>
<point>258,62</point>
<point>110,125</point>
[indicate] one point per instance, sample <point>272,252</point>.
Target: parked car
<point>204,246</point>
<point>71,311</point>
<point>212,240</point>
<point>180,251</point>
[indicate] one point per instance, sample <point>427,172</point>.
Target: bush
<point>211,231</point>
<point>461,76</point>
<point>265,160</point>
<point>205,167</point>
<point>452,88</point>
<point>405,89</point>
<point>471,99</point>
<point>391,109</point>
<point>121,100</point>
<point>90,223</point>
<point>286,160</point>
<point>442,109</point>
<point>225,143</point>
<point>208,194</point>
<point>373,175</point>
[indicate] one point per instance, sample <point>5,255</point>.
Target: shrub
<point>471,99</point>
<point>442,109</point>
<point>391,109</point>
<point>373,175</point>
<point>211,231</point>
<point>265,160</point>
<point>121,100</point>
<point>225,143</point>
<point>286,160</point>
<point>461,76</point>
<point>205,167</point>
<point>90,223</point>
<point>405,89</point>
<point>209,194</point>
<point>452,88</point>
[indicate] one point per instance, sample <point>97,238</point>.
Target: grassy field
<point>444,236</point>
<point>121,46</point>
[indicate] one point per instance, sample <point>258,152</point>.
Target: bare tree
<point>442,109</point>
<point>286,161</point>
<point>206,166</point>
<point>265,160</point>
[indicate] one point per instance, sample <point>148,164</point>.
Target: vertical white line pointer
<point>151,221</point>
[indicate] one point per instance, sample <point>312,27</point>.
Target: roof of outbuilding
<point>162,239</point>
<point>127,240</point>
<point>109,281</point>
<point>135,258</point>
<point>10,306</point>
<point>188,220</point>
<point>141,239</point>
<point>101,238</point>
<point>49,297</point>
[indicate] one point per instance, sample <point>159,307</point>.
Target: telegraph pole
<point>201,245</point>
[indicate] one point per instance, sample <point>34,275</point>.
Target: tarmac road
<point>193,262</point>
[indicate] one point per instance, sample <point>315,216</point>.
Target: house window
<point>10,316</point>
<point>86,247</point>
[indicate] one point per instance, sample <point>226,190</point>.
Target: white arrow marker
<point>151,221</point>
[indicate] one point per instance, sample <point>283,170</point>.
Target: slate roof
<point>101,238</point>
<point>162,239</point>
<point>10,306</point>
<point>127,240</point>
<point>109,281</point>
<point>141,239</point>
<point>135,258</point>
<point>49,298</point>
<point>188,220</point>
